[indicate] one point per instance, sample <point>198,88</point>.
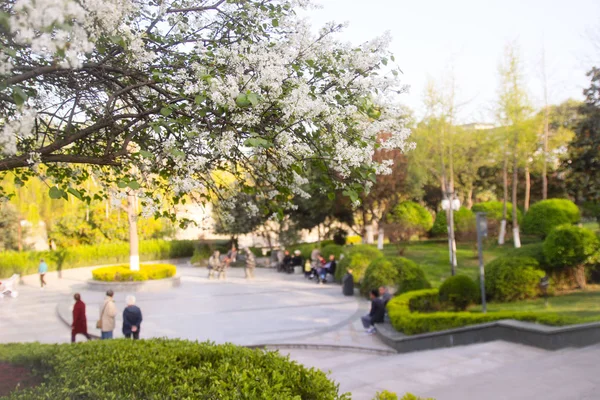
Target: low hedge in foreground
<point>164,369</point>
<point>26,262</point>
<point>122,273</point>
<point>405,315</point>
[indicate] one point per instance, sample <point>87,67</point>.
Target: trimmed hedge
<point>460,291</point>
<point>570,246</point>
<point>512,278</point>
<point>26,262</point>
<point>164,369</point>
<point>533,250</point>
<point>464,223</point>
<point>122,273</point>
<point>334,249</point>
<point>400,272</point>
<point>385,395</point>
<point>405,316</point>
<point>357,258</point>
<point>547,214</point>
<point>494,209</point>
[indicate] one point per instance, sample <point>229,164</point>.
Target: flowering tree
<point>155,96</point>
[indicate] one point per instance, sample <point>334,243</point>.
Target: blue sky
<point>431,38</point>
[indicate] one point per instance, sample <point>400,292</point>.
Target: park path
<point>317,327</point>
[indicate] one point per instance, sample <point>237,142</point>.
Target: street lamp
<point>482,231</point>
<point>451,204</point>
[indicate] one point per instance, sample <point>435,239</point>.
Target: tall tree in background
<point>514,113</point>
<point>583,162</point>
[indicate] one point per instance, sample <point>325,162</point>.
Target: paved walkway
<point>318,327</point>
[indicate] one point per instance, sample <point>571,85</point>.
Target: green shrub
<point>572,247</point>
<point>399,272</point>
<point>330,249</point>
<point>512,278</point>
<point>385,395</point>
<point>164,369</point>
<point>414,322</point>
<point>464,223</point>
<point>357,258</point>
<point>339,237</point>
<point>27,262</point>
<point>406,220</point>
<point>122,273</point>
<point>547,214</point>
<point>460,291</point>
<point>494,209</point>
<point>532,250</point>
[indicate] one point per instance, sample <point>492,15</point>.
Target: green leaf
<point>146,154</point>
<point>55,193</point>
<point>257,142</point>
<point>275,22</point>
<point>166,111</point>
<point>75,193</point>
<point>253,98</point>
<point>242,100</point>
<point>134,185</point>
<point>384,61</point>
<point>19,96</point>
<point>121,184</point>
<point>19,182</point>
<point>199,99</point>
<point>331,196</point>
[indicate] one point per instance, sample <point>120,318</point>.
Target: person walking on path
<point>376,315</point>
<point>108,312</point>
<point>79,325</point>
<point>42,269</point>
<point>214,264</point>
<point>250,264</point>
<point>132,319</point>
<point>231,256</point>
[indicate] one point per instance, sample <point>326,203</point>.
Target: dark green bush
<point>570,247</point>
<point>408,219</point>
<point>547,214</point>
<point>164,369</point>
<point>459,291</point>
<point>339,237</point>
<point>27,262</point>
<point>412,322</point>
<point>512,278</point>
<point>464,223</point>
<point>399,272</point>
<point>494,209</point>
<point>357,258</point>
<point>532,250</point>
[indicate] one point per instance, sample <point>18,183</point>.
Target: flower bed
<point>122,273</point>
<point>417,312</point>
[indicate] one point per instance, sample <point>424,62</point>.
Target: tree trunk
<point>369,233</point>
<point>469,199</point>
<point>546,118</point>
<point>502,235</point>
<point>515,182</point>
<point>380,233</point>
<point>527,187</point>
<point>134,255</point>
<point>579,275</point>
<point>19,235</point>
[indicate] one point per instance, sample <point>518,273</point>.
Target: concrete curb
<point>141,286</point>
<point>527,333</point>
<point>329,347</point>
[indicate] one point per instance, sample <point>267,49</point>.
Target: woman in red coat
<point>79,320</point>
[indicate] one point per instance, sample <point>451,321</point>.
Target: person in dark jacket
<point>297,260</point>
<point>376,314</point>
<point>79,324</point>
<point>348,284</point>
<point>287,262</point>
<point>132,319</point>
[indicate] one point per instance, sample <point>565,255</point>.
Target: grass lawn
<point>434,258</point>
<point>582,304</point>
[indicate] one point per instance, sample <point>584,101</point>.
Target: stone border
<point>527,333</point>
<point>139,286</point>
<point>329,347</point>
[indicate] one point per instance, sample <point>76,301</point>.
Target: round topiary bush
<point>408,219</point>
<point>459,291</point>
<point>330,249</point>
<point>357,258</point>
<point>399,272</point>
<point>122,273</point>
<point>164,369</point>
<point>571,247</point>
<point>464,223</point>
<point>512,278</point>
<point>547,214</point>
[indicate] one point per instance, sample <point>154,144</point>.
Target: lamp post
<point>451,204</point>
<point>481,233</point>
